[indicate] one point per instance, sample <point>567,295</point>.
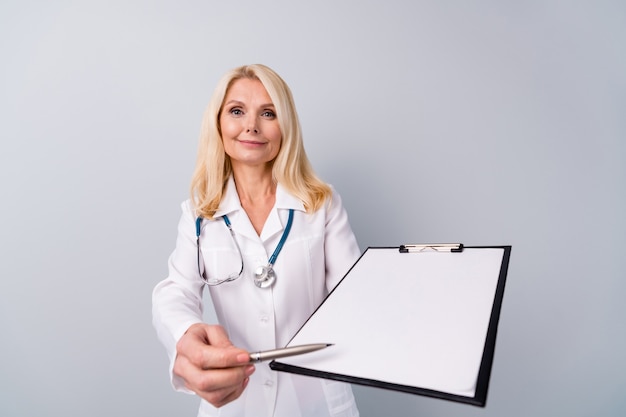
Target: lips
<point>251,142</point>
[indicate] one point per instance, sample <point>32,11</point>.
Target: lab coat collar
<point>231,206</point>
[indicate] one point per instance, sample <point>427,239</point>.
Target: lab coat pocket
<point>221,263</point>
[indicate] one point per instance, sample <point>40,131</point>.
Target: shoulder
<point>334,200</point>
<point>188,213</point>
<point>187,208</point>
<point>332,207</point>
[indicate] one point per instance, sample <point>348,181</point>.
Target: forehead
<point>247,89</point>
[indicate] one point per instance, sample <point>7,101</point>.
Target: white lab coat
<point>317,253</point>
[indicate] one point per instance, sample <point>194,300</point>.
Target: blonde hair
<point>291,168</point>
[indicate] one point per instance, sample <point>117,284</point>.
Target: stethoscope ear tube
<point>264,276</point>
<point>198,224</point>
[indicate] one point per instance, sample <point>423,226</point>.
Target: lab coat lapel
<point>231,206</point>
<point>277,219</point>
<point>272,225</point>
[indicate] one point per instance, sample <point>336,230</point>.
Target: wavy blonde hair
<point>291,167</point>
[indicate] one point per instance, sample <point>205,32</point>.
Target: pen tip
<point>329,344</point>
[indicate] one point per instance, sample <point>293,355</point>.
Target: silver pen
<point>288,351</point>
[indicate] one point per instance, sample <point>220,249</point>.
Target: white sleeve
<point>341,249</point>
<point>177,300</point>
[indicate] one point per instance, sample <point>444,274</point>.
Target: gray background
<point>486,122</point>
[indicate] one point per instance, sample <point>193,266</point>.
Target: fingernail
<point>249,370</point>
<point>243,358</point>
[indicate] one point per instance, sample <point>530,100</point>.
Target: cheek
<point>229,129</point>
<point>274,134</point>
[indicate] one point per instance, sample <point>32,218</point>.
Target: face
<point>250,129</point>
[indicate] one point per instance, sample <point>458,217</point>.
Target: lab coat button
<point>269,383</point>
<point>265,319</point>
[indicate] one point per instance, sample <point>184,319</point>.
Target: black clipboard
<point>420,319</point>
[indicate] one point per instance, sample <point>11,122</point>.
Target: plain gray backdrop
<point>484,122</point>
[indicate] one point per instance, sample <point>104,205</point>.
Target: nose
<point>252,125</point>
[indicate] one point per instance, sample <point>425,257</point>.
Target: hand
<point>210,365</point>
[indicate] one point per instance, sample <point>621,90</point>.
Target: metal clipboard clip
<point>434,247</point>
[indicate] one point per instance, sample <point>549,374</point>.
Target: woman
<point>265,273</point>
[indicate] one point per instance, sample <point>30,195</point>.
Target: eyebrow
<point>237,102</point>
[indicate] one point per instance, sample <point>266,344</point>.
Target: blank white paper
<point>414,319</point>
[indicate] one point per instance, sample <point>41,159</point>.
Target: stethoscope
<point>264,275</point>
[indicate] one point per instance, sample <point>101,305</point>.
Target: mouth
<point>251,142</point>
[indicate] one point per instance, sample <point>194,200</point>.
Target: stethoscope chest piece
<point>264,276</point>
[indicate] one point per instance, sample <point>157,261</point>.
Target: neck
<point>254,185</point>
<point>257,193</point>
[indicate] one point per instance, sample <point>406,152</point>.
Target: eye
<point>269,114</point>
<point>236,111</point>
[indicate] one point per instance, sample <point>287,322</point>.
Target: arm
<point>177,300</point>
<point>202,358</point>
<point>340,246</point>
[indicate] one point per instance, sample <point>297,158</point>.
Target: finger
<point>211,379</point>
<point>207,334</point>
<point>217,386</point>
<point>223,383</point>
<point>228,398</point>
<point>216,336</point>
<point>211,357</point>
<point>208,347</point>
